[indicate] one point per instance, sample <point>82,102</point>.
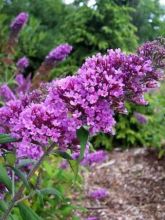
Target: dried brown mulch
<point>135,180</point>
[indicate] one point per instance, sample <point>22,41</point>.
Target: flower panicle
<point>19,22</point>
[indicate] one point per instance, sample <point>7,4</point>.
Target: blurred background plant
<point>106,24</point>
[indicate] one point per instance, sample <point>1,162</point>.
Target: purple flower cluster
<point>142,119</point>
<point>58,54</point>
<point>98,194</point>
<point>101,87</point>
<point>94,157</point>
<point>155,51</point>
<point>90,158</point>
<point>40,123</point>
<point>22,63</point>
<point>92,97</point>
<point>18,23</point>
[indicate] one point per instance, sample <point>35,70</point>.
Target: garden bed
<point>135,180</point>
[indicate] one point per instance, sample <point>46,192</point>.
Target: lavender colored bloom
<point>24,84</point>
<point>22,63</point>
<point>25,149</point>
<point>101,87</point>
<point>140,118</point>
<point>99,194</point>
<point>63,164</point>
<point>92,218</point>
<point>6,93</point>
<point>94,157</point>
<point>19,22</point>
<point>155,51</point>
<point>92,97</point>
<point>58,54</point>
<point>41,123</point>
<point>2,191</point>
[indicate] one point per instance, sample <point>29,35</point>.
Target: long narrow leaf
<point>82,135</point>
<point>51,191</point>
<point>22,176</point>
<point>27,213</point>
<point>74,165</point>
<point>3,206</point>
<point>25,162</point>
<point>64,155</point>
<point>4,178</point>
<point>6,138</point>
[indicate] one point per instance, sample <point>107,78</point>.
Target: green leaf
<point>22,176</point>
<point>4,178</point>
<point>3,206</point>
<point>161,153</point>
<point>82,135</point>
<point>64,155</point>
<point>52,191</point>
<point>1,4</point>
<point>27,213</point>
<point>75,218</point>
<point>74,164</point>
<point>10,158</point>
<point>6,138</point>
<point>40,196</point>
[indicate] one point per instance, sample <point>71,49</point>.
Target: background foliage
<point>107,24</point>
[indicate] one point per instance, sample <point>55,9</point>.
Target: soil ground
<point>135,180</point>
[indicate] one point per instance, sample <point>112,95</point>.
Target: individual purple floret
<point>58,54</point>
<point>6,93</point>
<point>142,119</point>
<point>92,218</point>
<point>22,63</point>
<point>63,165</point>
<point>98,194</point>
<point>19,22</point>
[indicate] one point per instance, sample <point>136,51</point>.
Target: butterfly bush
<point>101,87</point>
<point>56,110</point>
<point>91,97</point>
